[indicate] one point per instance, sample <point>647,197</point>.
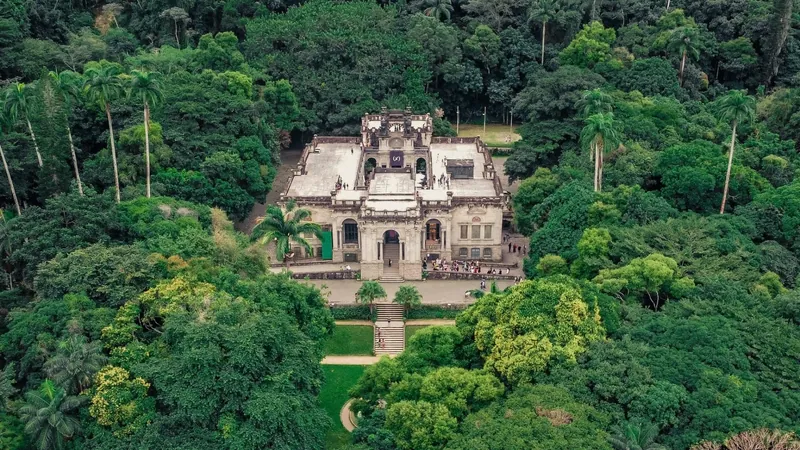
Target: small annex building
<point>396,196</point>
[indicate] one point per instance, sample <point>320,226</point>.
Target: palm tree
<point>636,437</point>
<point>408,296</point>
<point>46,416</point>
<point>599,135</point>
<point>542,11</point>
<point>103,85</point>
<point>146,86</point>
<point>68,84</point>
<point>5,125</point>
<point>284,229</point>
<point>369,292</point>
<point>18,103</point>
<point>75,364</point>
<point>594,102</point>
<point>736,107</point>
<point>439,8</point>
<point>683,41</point>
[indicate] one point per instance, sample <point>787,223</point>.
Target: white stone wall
<point>476,215</point>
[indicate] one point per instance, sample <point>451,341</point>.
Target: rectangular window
<point>463,252</point>
<point>487,253</point>
<point>476,232</point>
<point>487,231</point>
<point>351,233</point>
<point>464,231</point>
<point>475,253</point>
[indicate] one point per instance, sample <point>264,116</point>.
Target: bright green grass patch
<point>350,340</point>
<point>338,380</point>
<point>411,329</point>
<point>496,135</point>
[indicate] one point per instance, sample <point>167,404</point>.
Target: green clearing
<point>495,136</point>
<point>350,340</point>
<point>338,380</point>
<point>412,329</point>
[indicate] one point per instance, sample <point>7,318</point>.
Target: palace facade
<point>397,196</point>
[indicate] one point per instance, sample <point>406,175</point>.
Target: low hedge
<point>435,312</point>
<point>351,312</point>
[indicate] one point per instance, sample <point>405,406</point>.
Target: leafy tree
<point>285,229</point>
<point>534,417</point>
<point>593,249</point>
<point>736,107</point>
<point>74,366</point>
<point>176,14</point>
<point>120,402</point>
<point>420,425</point>
<point>521,333</point>
<point>408,296</point>
<point>146,86</point>
<point>103,86</point>
<point>763,438</point>
<point>600,136</point>
<point>484,46</point>
<point>47,418</point>
<point>591,46</point>
<point>654,278</point>
<point>17,103</point>
<point>779,25</point>
<point>552,265</point>
<point>368,292</point>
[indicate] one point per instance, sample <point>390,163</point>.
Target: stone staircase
<point>391,274</point>
<point>389,327</point>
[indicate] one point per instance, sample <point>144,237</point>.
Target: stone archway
<point>422,165</point>
<point>391,237</point>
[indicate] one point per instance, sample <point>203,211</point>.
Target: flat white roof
<point>324,167</point>
<point>475,187</point>
<point>392,183</point>
<point>376,124</point>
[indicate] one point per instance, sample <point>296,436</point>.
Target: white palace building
<point>396,196</point>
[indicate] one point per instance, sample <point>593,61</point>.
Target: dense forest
<point>657,185</point>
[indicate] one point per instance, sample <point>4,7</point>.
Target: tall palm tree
<point>439,8</point>
<point>683,41</point>
<point>408,296</point>
<point>4,126</point>
<point>369,292</point>
<point>68,84</point>
<point>286,228</point>
<point>594,102</point>
<point>542,11</point>
<point>600,136</point>
<point>103,85</point>
<point>146,86</point>
<point>636,437</point>
<point>736,107</point>
<point>75,364</point>
<point>18,104</point>
<point>46,416</point>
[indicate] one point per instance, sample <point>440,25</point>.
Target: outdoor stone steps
<point>394,340</point>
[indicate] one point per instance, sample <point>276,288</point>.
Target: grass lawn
<point>411,329</point>
<point>350,340</point>
<point>338,380</point>
<point>495,135</point>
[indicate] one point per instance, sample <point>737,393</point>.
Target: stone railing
<point>454,140</point>
<point>334,275</point>
<point>438,275</point>
<point>337,140</point>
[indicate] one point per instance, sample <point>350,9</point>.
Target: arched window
<point>350,231</point>
<point>433,229</point>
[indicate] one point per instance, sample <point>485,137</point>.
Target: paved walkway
<point>348,360</point>
<point>434,292</point>
<point>346,416</point>
<point>354,323</point>
<point>421,322</point>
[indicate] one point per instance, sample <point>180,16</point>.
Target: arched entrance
<point>391,237</point>
<point>392,253</point>
<point>422,165</point>
<point>433,235</point>
<point>369,166</point>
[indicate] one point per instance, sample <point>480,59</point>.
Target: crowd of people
<point>463,266</point>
